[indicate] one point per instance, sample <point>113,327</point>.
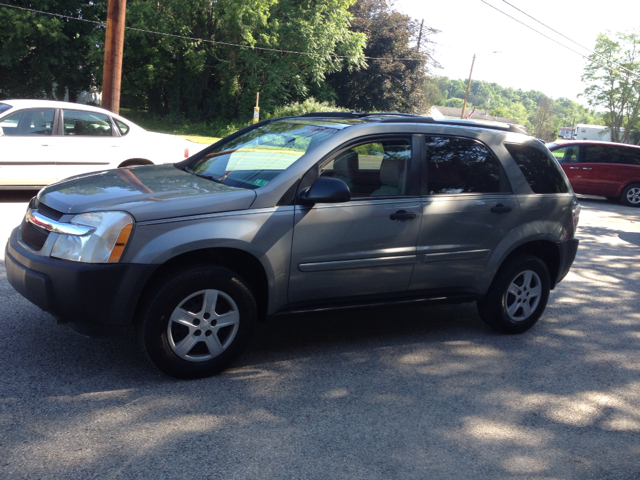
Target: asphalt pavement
<point>388,393</point>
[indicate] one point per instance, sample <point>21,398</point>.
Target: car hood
<point>148,193</point>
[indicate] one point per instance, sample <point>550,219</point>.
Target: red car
<point>607,169</point>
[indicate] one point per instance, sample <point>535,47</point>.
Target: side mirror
<point>325,190</point>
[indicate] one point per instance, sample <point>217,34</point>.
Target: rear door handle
<point>586,168</point>
<point>402,215</point>
<point>574,168</point>
<point>500,208</point>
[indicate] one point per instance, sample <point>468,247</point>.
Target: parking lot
<point>391,393</point>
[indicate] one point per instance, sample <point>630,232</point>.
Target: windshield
<point>255,158</point>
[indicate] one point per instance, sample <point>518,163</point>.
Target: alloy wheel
<point>203,325</point>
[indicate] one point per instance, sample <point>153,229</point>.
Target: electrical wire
<point>572,41</point>
<point>556,41</point>
<point>277,50</point>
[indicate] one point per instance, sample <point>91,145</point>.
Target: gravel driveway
<point>390,393</point>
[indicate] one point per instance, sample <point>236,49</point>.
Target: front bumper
<point>94,299</point>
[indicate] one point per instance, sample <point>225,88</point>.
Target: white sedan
<point>43,141</point>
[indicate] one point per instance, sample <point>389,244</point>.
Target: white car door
<point>27,158</point>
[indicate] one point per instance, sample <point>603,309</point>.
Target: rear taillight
<point>186,153</point>
<point>576,215</point>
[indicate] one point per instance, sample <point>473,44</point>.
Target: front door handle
<point>574,168</point>
<point>500,208</point>
<point>402,215</point>
<point>586,168</point>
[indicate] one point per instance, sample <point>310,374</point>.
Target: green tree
<point>205,79</point>
<point>613,82</point>
<point>396,84</point>
<point>544,121</point>
<point>44,56</point>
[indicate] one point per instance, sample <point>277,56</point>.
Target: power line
<point>556,41</point>
<point>572,41</point>
<point>277,50</point>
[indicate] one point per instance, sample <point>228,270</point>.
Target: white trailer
<point>592,132</point>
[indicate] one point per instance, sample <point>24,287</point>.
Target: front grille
<point>34,236</point>
<point>48,211</point>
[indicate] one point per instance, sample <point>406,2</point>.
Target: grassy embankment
<point>198,132</point>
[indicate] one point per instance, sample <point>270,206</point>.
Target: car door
<point>468,213</point>
<point>569,158</point>
<point>86,143</point>
<point>595,168</point>
<point>367,245</point>
<point>27,158</point>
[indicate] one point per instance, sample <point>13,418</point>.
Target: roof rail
<point>506,127</point>
<point>357,114</point>
<point>395,117</point>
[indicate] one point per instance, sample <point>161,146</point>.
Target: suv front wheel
<point>197,322</point>
<point>518,295</point>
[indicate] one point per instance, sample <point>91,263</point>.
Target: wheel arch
<point>243,263</point>
<point>134,162</point>
<point>545,250</point>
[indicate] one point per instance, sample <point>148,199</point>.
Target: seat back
<point>392,177</point>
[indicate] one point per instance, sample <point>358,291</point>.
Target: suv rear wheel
<point>518,295</point>
<point>197,322</point>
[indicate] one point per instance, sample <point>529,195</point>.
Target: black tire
<point>631,195</point>
<point>181,324</point>
<point>518,295</point>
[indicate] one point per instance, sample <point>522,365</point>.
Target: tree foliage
<point>395,84</point>
<point>40,54</point>
<point>612,76</point>
<point>539,114</point>
<point>206,80</point>
<point>205,60</point>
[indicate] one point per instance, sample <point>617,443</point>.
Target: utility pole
<point>420,36</point>
<point>113,48</point>
<point>464,104</point>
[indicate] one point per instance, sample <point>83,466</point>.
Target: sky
<point>523,58</point>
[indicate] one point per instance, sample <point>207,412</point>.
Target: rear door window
<point>81,123</point>
<point>596,154</point>
<point>461,165</point>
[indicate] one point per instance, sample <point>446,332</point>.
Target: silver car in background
<point>316,212</point>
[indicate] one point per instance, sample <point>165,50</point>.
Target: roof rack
<point>395,117</point>
<point>357,114</point>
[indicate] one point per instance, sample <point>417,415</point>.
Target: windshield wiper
<point>208,177</point>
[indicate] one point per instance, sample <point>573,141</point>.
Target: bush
<point>179,125</point>
<point>310,105</point>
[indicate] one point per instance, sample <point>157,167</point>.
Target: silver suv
<point>320,211</point>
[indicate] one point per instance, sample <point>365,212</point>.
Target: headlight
<point>104,244</point>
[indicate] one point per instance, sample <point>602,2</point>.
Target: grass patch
<point>199,132</point>
<point>200,139</point>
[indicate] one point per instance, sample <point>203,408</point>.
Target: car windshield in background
<point>255,158</point>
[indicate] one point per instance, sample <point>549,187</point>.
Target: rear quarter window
<point>4,107</point>
<point>541,171</point>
